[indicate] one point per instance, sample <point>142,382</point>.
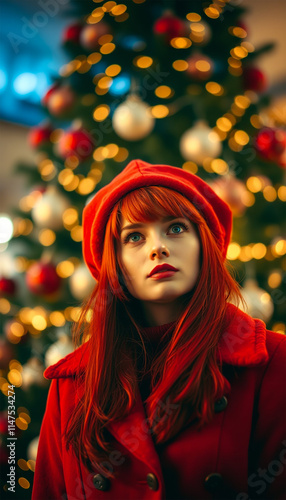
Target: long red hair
<point>186,371</point>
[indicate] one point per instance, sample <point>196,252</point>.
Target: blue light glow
<point>3,79</point>
<point>120,85</point>
<point>25,83</point>
<point>133,42</point>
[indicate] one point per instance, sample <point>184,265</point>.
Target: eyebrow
<point>140,224</point>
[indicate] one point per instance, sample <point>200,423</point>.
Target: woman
<point>173,392</point>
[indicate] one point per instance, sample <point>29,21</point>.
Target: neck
<point>156,314</point>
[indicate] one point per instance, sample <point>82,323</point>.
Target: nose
<point>159,250</point>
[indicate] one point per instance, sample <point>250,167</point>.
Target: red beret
<point>138,174</point>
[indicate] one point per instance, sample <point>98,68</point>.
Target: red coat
<point>240,455</point>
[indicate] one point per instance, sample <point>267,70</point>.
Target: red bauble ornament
<point>200,67</point>
<point>271,145</point>
<point>3,422</point>
<point>42,279</point>
<point>77,143</point>
<point>49,92</point>
<point>40,136</point>
<point>7,287</point>
<point>91,33</point>
<point>59,100</point>
<point>171,27</point>
<point>71,33</point>
<point>254,79</point>
<point>6,354</point>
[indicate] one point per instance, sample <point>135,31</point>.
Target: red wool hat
<point>138,174</point>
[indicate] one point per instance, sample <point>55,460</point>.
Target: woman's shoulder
<point>275,341</point>
<point>245,341</point>
<point>72,364</point>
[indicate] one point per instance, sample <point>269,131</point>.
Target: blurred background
<point>84,88</point>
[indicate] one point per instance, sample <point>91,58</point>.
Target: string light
<point>219,166</point>
<point>22,464</point>
<point>47,170</point>
<point>105,39</point>
<point>24,483</point>
<point>77,233</point>
<point>275,279</point>
<point>122,155</point>
<point>239,52</point>
<point>5,306</point>
<point>233,251</point>
<point>224,124</point>
<point>94,58</point>
<point>159,111</point>
<point>258,251</point>
<point>269,193</point>
<point>21,423</point>
<point>181,43</point>
<point>65,269</point>
<point>113,70</point>
<point>105,82</point>
<point>255,121</point>
<point>57,318</point>
<point>241,137</point>
<point>84,67</point>
<point>122,18</point>
<point>39,322</point>
<point>212,11</point>
<point>86,186</point>
<point>190,166</point>
<point>180,65</point>
<point>15,377</point>
<point>108,6</point>
<point>281,193</point>
<point>214,88</point>
<point>193,17</point>
<point>118,10</point>
<point>47,237</point>
<point>143,61</point>
<point>107,48</point>
<point>242,101</point>
<point>237,31</point>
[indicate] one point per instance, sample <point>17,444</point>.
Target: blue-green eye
<point>180,225</point>
<point>135,236</point>
<point>130,237</point>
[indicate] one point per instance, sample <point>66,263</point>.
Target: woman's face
<point>143,246</point>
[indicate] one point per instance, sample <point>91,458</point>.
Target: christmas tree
<point>169,82</point>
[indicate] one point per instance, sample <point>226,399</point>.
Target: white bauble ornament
<point>200,142</point>
<point>48,210</point>
<point>32,373</point>
<point>33,449</point>
<point>233,192</point>
<point>81,283</point>
<point>132,120</point>
<point>259,303</point>
<point>58,350</point>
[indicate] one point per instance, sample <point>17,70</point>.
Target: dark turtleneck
<point>155,338</point>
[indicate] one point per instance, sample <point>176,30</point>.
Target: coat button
<point>220,404</point>
<point>100,482</point>
<point>152,481</point>
<point>213,482</point>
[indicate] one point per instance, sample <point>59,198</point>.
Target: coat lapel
<point>134,433</point>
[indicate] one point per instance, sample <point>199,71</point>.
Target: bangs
<point>148,204</point>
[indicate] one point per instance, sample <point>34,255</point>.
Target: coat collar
<point>243,343</point>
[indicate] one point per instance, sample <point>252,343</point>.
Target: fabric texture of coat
<point>240,454</point>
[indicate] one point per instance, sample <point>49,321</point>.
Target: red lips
<point>163,267</point>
